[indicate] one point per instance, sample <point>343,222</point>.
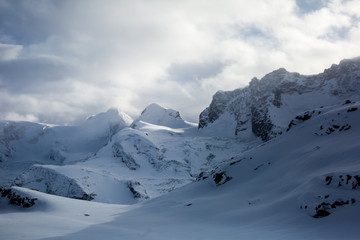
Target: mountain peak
<point>154,108</point>
<point>158,115</point>
<point>111,115</point>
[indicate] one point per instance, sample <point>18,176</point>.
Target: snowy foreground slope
<point>160,177</point>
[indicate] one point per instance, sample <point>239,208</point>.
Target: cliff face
<point>266,105</point>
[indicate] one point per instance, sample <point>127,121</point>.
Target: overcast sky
<point>61,61</point>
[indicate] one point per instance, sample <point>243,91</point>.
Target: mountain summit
<point>157,115</point>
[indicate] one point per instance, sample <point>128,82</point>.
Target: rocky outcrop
<point>326,199</point>
<point>137,190</point>
<point>134,149</point>
<point>5,150</point>
<point>127,159</point>
<point>17,198</point>
<point>50,181</point>
<point>254,103</point>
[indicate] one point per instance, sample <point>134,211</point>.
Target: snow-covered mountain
<point>24,144</point>
<point>275,160</point>
<point>266,106</point>
<point>111,159</point>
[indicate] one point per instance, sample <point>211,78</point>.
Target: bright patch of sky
<point>61,61</point>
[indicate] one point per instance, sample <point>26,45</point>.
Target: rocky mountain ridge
<point>256,108</point>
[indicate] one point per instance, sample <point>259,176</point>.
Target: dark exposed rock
<point>352,109</point>
<point>221,178</point>
<point>261,124</point>
<point>321,213</point>
<point>5,150</point>
<point>261,165</point>
<point>349,181</point>
<point>277,98</point>
<point>304,117</point>
<point>87,197</point>
<point>347,127</point>
<point>292,123</point>
<point>324,208</point>
<point>202,176</point>
<point>357,183</point>
<point>328,180</point>
<point>348,177</point>
<point>118,152</point>
<point>17,199</point>
<point>344,126</point>
<point>137,190</point>
<point>235,162</point>
<point>216,108</point>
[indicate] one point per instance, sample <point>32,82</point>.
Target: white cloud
<point>17,117</point>
<point>82,57</point>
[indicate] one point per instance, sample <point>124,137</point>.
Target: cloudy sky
<point>61,61</point>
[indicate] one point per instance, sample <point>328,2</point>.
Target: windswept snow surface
<point>54,216</point>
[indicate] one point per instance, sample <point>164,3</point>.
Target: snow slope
<point>54,216</point>
<point>273,191</point>
<point>268,192</point>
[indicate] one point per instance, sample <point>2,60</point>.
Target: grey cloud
<point>190,71</point>
<point>30,21</point>
<point>248,31</point>
<point>29,75</point>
